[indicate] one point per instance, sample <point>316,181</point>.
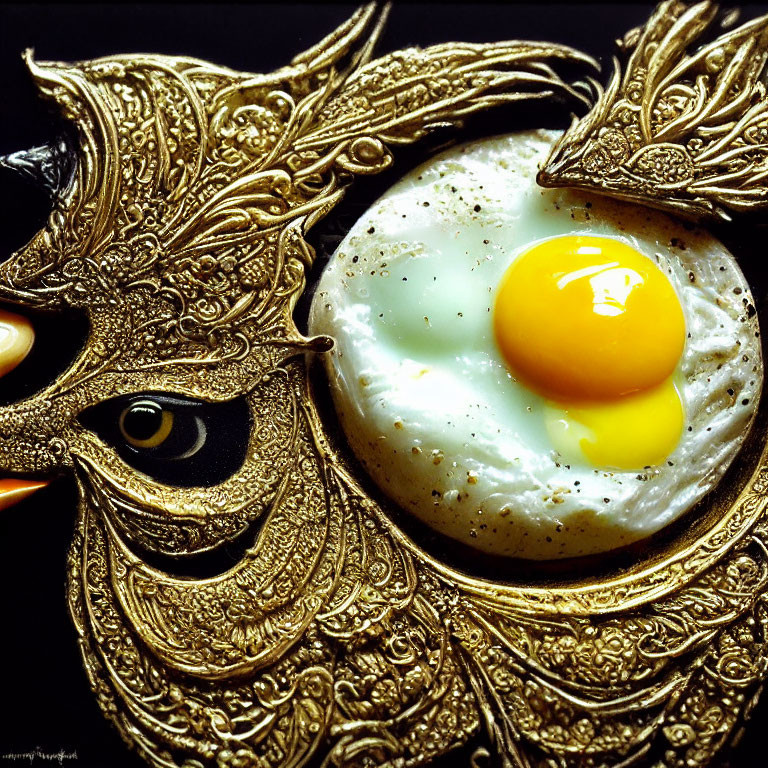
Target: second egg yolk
<point>597,328</point>
<point>588,318</point>
<point>637,431</point>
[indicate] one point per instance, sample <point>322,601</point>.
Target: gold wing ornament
<point>334,639</point>
<point>683,125</point>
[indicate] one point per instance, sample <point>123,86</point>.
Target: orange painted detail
<point>13,490</point>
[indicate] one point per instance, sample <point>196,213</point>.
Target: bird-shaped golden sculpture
<point>191,425</point>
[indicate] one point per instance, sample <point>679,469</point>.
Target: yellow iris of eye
<point>146,424</point>
<point>597,328</point>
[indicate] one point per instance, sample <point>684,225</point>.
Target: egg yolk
<point>633,432</point>
<point>597,328</point>
<point>588,318</point>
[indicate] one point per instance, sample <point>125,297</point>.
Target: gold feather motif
<point>680,127</point>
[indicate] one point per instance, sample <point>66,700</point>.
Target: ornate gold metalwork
<point>677,130</point>
<point>181,235</point>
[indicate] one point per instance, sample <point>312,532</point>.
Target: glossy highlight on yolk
<point>588,318</point>
<point>597,328</point>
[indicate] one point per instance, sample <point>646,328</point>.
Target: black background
<point>46,699</point>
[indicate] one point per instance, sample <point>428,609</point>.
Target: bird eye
<point>175,440</point>
<point>146,424</point>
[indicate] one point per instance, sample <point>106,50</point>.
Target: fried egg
<point>535,373</point>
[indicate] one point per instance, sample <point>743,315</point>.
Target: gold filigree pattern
<point>686,131</point>
<point>334,637</point>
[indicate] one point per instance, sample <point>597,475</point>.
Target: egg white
<point>429,407</point>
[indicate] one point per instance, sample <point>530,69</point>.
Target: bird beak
<point>12,490</point>
<point>16,339</point>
